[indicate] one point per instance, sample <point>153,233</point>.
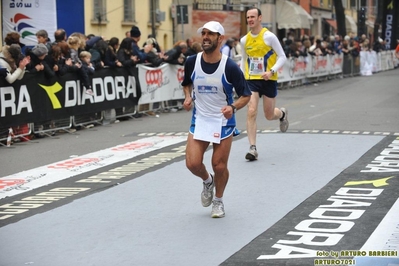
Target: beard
<point>210,48</point>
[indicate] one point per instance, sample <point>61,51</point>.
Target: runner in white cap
<point>209,80</point>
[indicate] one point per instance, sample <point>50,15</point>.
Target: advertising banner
<point>37,98</point>
<point>27,17</point>
<point>390,22</point>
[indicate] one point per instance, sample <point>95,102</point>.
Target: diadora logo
<point>154,77</point>
<point>376,183</point>
<point>22,26</point>
<point>51,91</point>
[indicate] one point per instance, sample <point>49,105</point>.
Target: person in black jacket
<point>154,57</point>
<point>98,53</point>
<point>125,54</point>
<point>37,60</point>
<point>87,71</point>
<point>110,58</point>
<point>176,54</point>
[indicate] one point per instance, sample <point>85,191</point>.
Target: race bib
<point>256,66</point>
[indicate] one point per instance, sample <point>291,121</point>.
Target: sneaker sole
<point>218,216</point>
<point>250,157</point>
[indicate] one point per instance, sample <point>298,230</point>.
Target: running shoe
<point>252,154</point>
<point>207,193</point>
<point>217,209</point>
<point>284,122</point>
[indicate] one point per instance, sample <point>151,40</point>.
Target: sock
<point>252,147</point>
<point>209,180</point>
<point>218,199</point>
<point>281,119</point>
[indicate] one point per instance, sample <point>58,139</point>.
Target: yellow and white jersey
<point>261,52</point>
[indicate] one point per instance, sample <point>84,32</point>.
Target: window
<point>353,4</point>
<point>154,8</point>
<point>128,11</point>
<point>345,4</point>
<point>99,11</point>
<point>373,8</point>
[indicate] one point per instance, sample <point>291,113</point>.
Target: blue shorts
<point>263,87</point>
<point>227,131</point>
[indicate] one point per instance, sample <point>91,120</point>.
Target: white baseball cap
<point>213,26</point>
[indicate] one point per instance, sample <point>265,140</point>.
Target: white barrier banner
<point>386,60</point>
<point>394,58</point>
<point>336,63</point>
<point>27,17</point>
<point>319,66</point>
<point>366,63</point>
<point>284,73</point>
<point>155,83</point>
<point>297,67</point>
<point>177,75</point>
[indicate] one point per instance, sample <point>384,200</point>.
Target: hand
<point>119,64</point>
<point>187,104</point>
<point>267,75</point>
<point>135,58</point>
<point>24,62</point>
<point>55,68</point>
<point>227,111</point>
<point>39,67</point>
<point>68,62</point>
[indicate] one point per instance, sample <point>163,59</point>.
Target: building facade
<point>174,20</point>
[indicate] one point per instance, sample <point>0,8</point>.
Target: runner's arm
<point>272,40</point>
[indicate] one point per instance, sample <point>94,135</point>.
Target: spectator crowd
<point>330,45</point>
<point>85,54</point>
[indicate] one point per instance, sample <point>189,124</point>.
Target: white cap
<point>213,26</point>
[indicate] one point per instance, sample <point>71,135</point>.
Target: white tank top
<point>211,91</point>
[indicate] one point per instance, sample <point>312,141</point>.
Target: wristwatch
<point>234,108</point>
<point>272,70</point>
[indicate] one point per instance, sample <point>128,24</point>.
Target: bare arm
<point>188,100</point>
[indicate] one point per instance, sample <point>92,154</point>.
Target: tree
<point>340,17</point>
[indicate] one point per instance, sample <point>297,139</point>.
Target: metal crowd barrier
<point>21,132</point>
<point>127,111</point>
<point>49,128</point>
<point>87,120</point>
